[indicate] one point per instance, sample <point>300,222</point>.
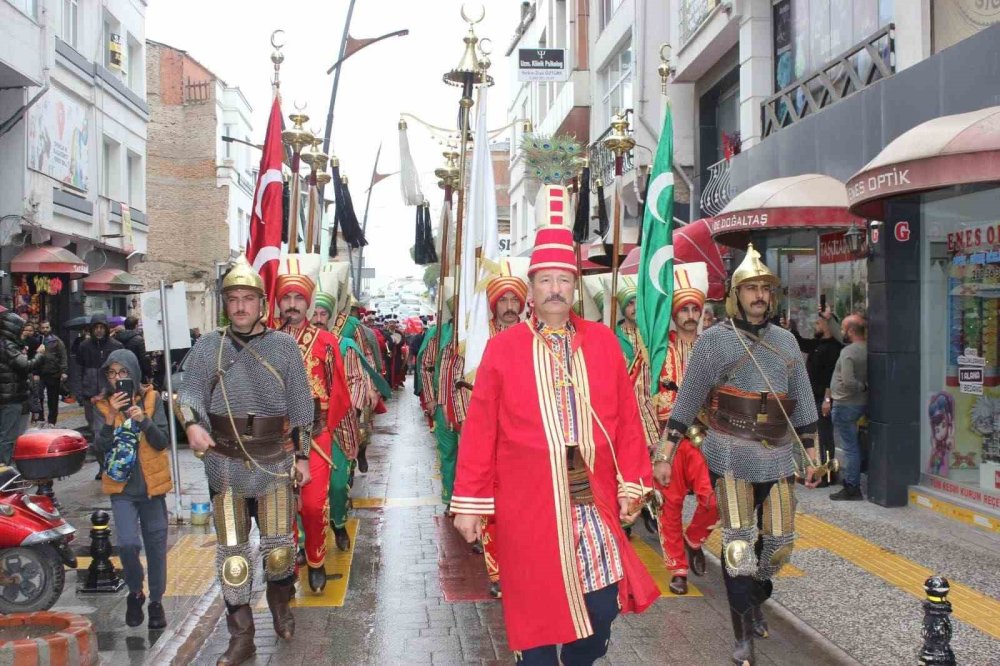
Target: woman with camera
<point>133,445</point>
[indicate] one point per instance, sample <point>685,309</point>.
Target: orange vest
<point>155,464</point>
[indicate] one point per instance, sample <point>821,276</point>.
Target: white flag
<point>481,216</point>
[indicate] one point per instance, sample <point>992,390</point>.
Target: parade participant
<point>750,375</point>
<point>636,362</point>
<point>324,366</point>
<point>436,360</point>
<point>687,472</point>
<point>395,345</point>
<point>246,404</point>
<point>553,448</point>
<point>507,295</point>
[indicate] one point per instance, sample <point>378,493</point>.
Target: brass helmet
<point>242,276</point>
<point>751,269</point>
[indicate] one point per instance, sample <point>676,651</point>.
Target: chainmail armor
<point>715,362</point>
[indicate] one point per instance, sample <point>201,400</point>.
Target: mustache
<point>760,302</point>
<point>555,298</point>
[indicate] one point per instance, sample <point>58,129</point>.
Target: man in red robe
<point>325,369</point>
<point>685,471</point>
<point>553,448</point>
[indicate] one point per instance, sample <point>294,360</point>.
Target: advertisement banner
<point>58,139</point>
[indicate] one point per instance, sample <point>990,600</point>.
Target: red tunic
<point>512,463</point>
<point>325,369</point>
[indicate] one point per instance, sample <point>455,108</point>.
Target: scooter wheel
<point>31,578</point>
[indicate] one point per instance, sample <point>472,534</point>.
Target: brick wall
<point>188,231</point>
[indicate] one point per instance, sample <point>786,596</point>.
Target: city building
<point>73,218</point>
<point>200,185</point>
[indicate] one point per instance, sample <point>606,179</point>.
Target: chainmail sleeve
<point>194,393</point>
<point>700,377</point>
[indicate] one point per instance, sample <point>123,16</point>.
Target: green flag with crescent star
<point>655,280</point>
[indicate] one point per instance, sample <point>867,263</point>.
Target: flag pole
<point>620,143</point>
<point>364,223</point>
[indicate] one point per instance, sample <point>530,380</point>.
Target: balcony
<point>693,14</point>
<point>857,68</point>
<point>716,192</point>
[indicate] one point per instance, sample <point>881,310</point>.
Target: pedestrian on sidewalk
<point>131,338</point>
<point>553,448</point>
<point>133,442</point>
<point>31,340</point>
<point>15,368</point>
<point>52,371</point>
<point>748,376</point>
<point>92,354</point>
<point>849,392</point>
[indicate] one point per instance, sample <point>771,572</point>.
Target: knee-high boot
<point>241,634</point>
<point>743,630</point>
<point>279,594</point>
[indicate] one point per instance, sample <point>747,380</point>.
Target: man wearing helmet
<point>749,377</point>
<point>247,409</point>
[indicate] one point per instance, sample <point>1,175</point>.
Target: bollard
<point>936,631</point>
<point>101,574</point>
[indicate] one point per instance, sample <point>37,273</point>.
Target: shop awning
<point>112,280</point>
<point>692,243</point>
<point>49,259</point>
<point>809,201</point>
<point>945,151</point>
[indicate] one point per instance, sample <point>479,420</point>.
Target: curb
<point>72,640</point>
<point>180,644</point>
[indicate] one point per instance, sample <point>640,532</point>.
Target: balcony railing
<point>693,14</point>
<point>716,192</point>
<point>602,160</point>
<point>855,69</point>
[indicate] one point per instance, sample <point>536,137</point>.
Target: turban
<point>684,293</point>
<point>626,295</point>
<point>326,302</point>
<point>290,283</point>
<point>499,286</point>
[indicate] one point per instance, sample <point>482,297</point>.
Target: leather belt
<point>265,438</point>
<point>750,415</point>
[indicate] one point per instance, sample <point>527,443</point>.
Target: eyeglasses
<point>120,374</point>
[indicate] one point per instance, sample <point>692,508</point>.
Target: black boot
<point>648,522</point>
<point>696,559</point>
<point>133,609</point>
<point>848,493</point>
<point>495,590</point>
<point>241,633</point>
<point>679,585</point>
<point>317,578</point>
<point>157,618</point>
<point>342,539</point>
<point>278,594</point>
<point>363,460</point>
<point>743,630</point>
<point>759,623</point>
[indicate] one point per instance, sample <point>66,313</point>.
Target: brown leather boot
<point>278,595</point>
<point>241,633</point>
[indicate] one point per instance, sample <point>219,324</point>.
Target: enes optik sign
<point>542,65</point>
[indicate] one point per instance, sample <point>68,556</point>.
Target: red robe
<point>513,464</point>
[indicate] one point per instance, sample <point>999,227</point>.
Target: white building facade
<point>72,154</point>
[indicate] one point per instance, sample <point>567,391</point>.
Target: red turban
<point>684,293</point>
<point>499,286</point>
<point>290,283</point>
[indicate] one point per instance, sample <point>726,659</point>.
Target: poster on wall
<point>954,20</point>
<point>58,139</point>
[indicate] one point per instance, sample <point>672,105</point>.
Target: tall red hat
<point>554,231</point>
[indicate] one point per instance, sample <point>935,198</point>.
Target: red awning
<point>49,259</point>
<point>692,244</point>
<point>810,201</point>
<point>112,280</point>
<point>945,151</point>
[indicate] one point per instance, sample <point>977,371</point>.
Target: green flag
<point>655,280</point>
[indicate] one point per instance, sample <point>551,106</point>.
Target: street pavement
<point>410,592</point>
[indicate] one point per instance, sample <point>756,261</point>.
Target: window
<point>227,130</point>
<point>136,177</point>
<point>616,84</point>
<point>113,58</point>
<point>29,7</point>
<point>111,170</point>
<point>71,22</point>
<point>135,70</point>
<point>608,9</point>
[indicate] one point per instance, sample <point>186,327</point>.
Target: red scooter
<point>34,537</point>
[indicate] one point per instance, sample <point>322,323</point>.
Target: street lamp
<point>853,238</point>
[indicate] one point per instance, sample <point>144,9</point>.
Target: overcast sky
<point>401,74</point>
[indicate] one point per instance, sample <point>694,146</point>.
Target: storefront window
<point>960,341</point>
<point>843,275</point>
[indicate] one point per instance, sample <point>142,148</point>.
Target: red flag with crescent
<point>264,248</point>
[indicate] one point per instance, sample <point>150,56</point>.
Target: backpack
<point>120,459</point>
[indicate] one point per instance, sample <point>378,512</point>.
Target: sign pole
<point>171,423</point>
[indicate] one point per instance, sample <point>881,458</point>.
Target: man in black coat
<point>91,355</point>
<point>15,367</point>
<point>131,338</point>
<point>52,370</point>
<point>822,351</point>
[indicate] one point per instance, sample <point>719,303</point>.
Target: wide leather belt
<point>319,422</point>
<point>265,438</point>
<point>750,416</point>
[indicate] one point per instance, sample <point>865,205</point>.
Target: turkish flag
<point>264,248</point>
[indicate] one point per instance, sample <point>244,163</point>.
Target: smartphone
<point>126,386</point>
<point>822,303</point>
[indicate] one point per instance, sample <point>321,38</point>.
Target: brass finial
<point>664,69</point>
<point>619,141</point>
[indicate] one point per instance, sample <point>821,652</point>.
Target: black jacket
<point>135,343</point>
<point>54,361</point>
<point>821,359</point>
<point>14,364</point>
<point>91,356</point>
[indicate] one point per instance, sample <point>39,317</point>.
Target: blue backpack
<point>120,460</point>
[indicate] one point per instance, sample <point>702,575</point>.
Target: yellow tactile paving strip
<point>337,562</point>
<point>392,502</point>
<point>658,570</point>
<point>970,606</point>
<point>190,565</point>
<point>955,512</point>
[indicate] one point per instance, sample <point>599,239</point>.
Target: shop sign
<point>59,139</point>
<point>542,65</point>
<point>977,496</point>
<point>970,372</point>
<point>833,249</point>
<point>902,231</point>
<point>974,238</point>
<point>738,221</point>
<point>880,182</point>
